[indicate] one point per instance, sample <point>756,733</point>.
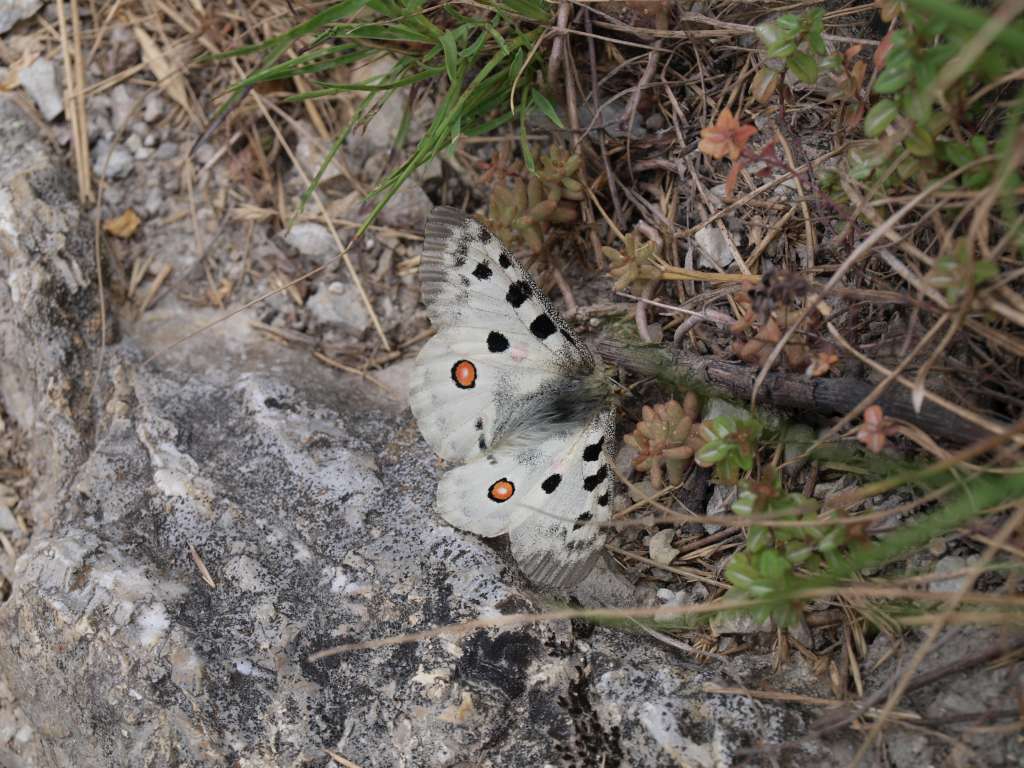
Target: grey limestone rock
<point>205,521</point>
<point>13,11</point>
<point>39,80</point>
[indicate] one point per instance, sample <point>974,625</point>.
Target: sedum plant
<point>666,438</point>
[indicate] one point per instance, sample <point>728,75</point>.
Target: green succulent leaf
<point>880,117</point>
<point>804,67</point>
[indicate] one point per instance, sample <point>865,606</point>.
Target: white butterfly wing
<point>550,490</point>
<point>507,387</point>
<point>501,348</point>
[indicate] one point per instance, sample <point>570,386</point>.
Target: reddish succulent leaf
<point>882,51</point>
<point>875,430</point>
<point>727,137</point>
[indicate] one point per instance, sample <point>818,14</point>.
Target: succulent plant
<point>667,438</point>
<point>525,212</point>
<point>634,262</point>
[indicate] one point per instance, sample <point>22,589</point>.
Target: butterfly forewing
<point>469,278</point>
<point>501,351</point>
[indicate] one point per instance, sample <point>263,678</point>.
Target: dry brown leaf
<point>123,226</point>
<point>171,81</point>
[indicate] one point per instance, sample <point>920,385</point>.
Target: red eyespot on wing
<point>501,490</point>
<point>464,374</point>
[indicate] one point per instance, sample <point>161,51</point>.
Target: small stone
<point>39,80</point>
<point>168,150</point>
<point>949,564</point>
<point>660,546</point>
<point>312,239</point>
<point>733,624</point>
<point>339,304</point>
<point>937,546</point>
<point>7,521</point>
<point>713,247</point>
<point>154,201</point>
<point>153,107</point>
<point>408,208</point>
<point>122,103</point>
<point>13,11</point>
<point>720,503</point>
<point>117,166</point>
<point>654,122</point>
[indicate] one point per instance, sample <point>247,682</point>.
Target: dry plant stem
<point>563,287</point>
<point>963,414</point>
<point>526,619</point>
<point>79,146</point>
<point>342,761</point>
<point>356,372</point>
<point>1007,530</point>
<point>860,252</point>
<point>690,574</point>
<point>595,99</point>
<point>766,187</point>
<point>224,318</point>
<point>661,22</point>
<point>879,388</point>
<point>812,241</point>
<point>558,44</point>
<point>847,714</point>
<point>822,397</point>
<point>641,311</point>
<point>720,29</point>
<point>343,250</point>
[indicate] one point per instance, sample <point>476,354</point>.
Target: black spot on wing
<point>582,520</point>
<point>504,259</point>
<point>481,443</point>
<point>496,342</point>
<point>542,327</point>
<point>461,250</point>
<point>603,499</point>
<point>481,271</point>
<point>485,236</point>
<point>518,293</point>
<point>464,280</point>
<point>479,424</point>
<point>593,452</point>
<point>551,483</point>
<point>590,483</point>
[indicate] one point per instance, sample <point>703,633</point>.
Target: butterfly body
<point>506,388</point>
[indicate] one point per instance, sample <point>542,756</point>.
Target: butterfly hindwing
<point>550,490</point>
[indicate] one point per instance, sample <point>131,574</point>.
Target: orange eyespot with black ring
<point>464,374</point>
<point>501,490</point>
